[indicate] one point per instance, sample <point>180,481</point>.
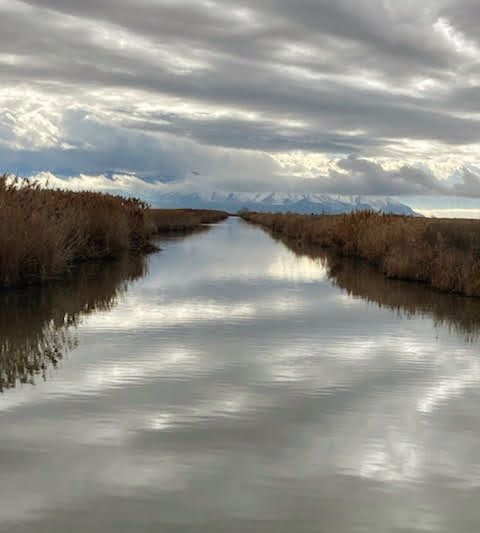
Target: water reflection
<point>460,314</point>
<point>38,325</point>
<point>236,388</point>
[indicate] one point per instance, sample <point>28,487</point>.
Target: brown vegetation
<point>443,253</point>
<point>44,232</point>
<point>362,280</point>
<point>184,220</point>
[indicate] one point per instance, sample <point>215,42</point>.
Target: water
<point>238,387</point>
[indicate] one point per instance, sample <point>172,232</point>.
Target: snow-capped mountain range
<point>283,202</point>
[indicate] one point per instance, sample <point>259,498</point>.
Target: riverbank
<point>442,253</point>
<point>45,232</point>
<point>364,281</point>
<point>184,220</point>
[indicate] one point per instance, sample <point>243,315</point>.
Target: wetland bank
<point>441,253</point>
<point>231,383</point>
<point>45,233</point>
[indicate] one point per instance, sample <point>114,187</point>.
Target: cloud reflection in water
<point>238,386</point>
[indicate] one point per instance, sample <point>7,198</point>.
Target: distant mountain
<point>283,202</point>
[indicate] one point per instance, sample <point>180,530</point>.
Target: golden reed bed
<point>44,232</point>
<point>443,253</point>
<point>184,220</point>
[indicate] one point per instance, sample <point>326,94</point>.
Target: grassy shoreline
<point>44,233</point>
<point>361,279</point>
<point>441,253</point>
<point>184,220</point>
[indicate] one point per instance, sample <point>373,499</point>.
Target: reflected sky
<point>38,324</point>
<point>240,386</point>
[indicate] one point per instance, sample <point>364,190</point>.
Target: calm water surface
<point>238,387</point>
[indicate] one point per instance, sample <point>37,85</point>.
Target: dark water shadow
<point>38,324</point>
<point>459,314</point>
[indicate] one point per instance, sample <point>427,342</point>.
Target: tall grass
<point>362,280</point>
<point>444,254</point>
<point>184,220</point>
<point>44,232</point>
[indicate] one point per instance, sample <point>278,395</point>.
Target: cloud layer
<point>363,96</point>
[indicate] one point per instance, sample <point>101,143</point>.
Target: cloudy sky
<point>339,96</point>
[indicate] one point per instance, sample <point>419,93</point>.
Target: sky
<point>337,96</point>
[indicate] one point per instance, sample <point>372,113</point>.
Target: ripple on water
<point>239,385</point>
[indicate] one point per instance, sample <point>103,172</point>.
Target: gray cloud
<point>364,177</point>
<point>469,185</point>
<point>347,79</point>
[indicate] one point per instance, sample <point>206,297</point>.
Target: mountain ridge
<point>282,202</point>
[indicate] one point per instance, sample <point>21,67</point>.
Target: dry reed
<point>443,253</point>
<point>43,232</point>
<point>184,220</point>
